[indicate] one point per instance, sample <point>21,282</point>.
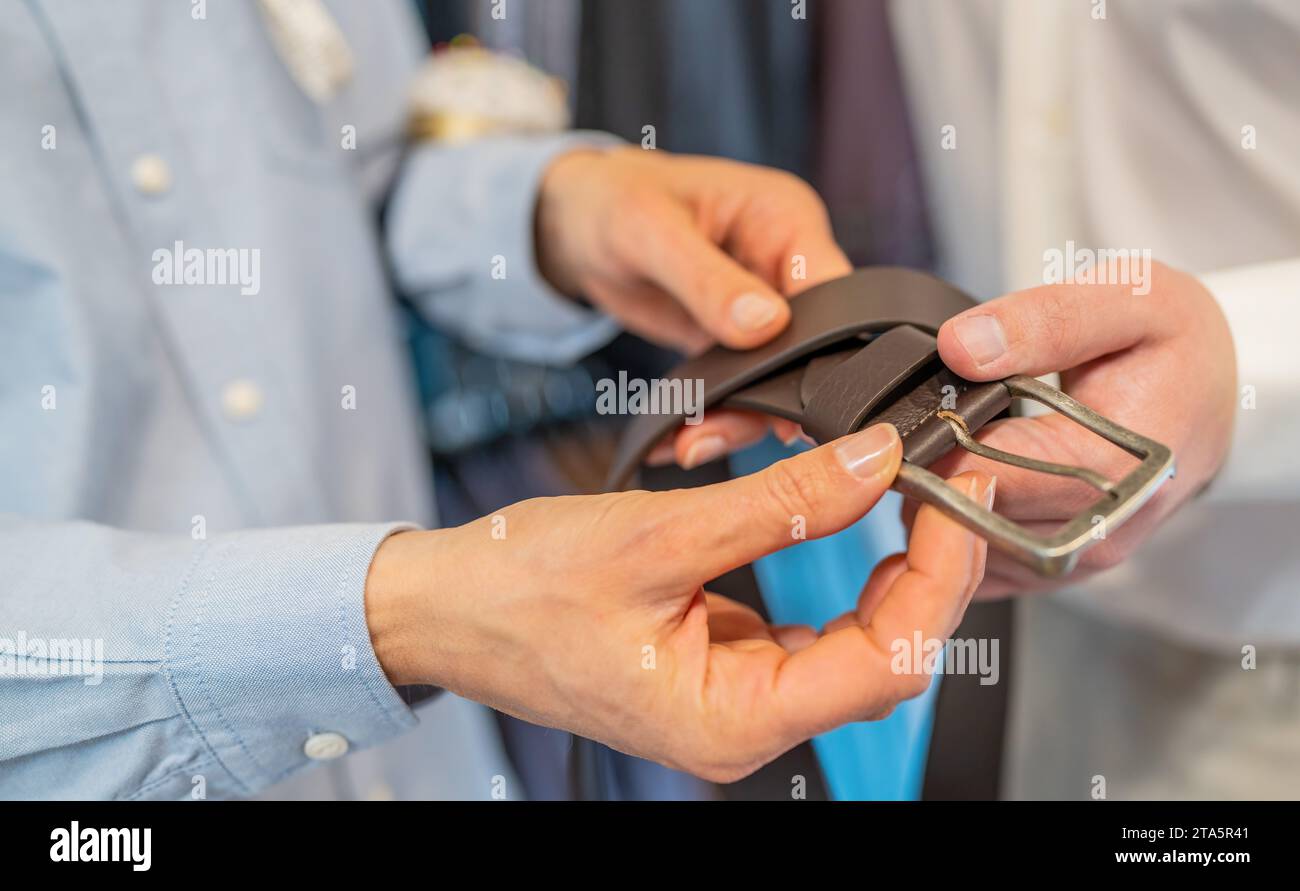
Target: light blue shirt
<point>193,476</point>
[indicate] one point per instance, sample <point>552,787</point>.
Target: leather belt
<point>861,350</point>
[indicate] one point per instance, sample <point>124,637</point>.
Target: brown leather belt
<point>861,350</point>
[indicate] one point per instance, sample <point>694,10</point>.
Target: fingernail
<point>989,493</point>
<point>750,312</point>
<point>982,336</point>
<point>799,436</point>
<point>704,450</point>
<point>868,452</point>
<point>661,454</point>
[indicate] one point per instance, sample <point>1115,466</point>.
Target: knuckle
<point>882,713</point>
<point>721,774</point>
<point>718,755</point>
<point>651,526</point>
<point>640,200</point>
<point>640,213</point>
<point>1060,322</point>
<point>797,194</point>
<point>797,187</point>
<point>796,491</point>
<point>715,282</point>
<point>718,767</point>
<point>772,185</point>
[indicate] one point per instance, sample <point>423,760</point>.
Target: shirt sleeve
<point>147,666</point>
<point>1262,304</point>
<point>460,237</point>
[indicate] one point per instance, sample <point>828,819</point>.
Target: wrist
<point>558,192</point>
<point>398,595</point>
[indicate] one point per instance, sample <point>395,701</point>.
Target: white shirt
<point>1171,125</point>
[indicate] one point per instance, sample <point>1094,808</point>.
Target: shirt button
<point>241,400</point>
<point>151,175</point>
<point>325,746</point>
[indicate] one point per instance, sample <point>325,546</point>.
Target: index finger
<point>731,303</point>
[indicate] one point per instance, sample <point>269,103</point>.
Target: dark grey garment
<point>867,166</point>
<point>726,77</point>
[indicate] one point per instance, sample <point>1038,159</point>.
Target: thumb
<point>1049,328</point>
<point>811,495</point>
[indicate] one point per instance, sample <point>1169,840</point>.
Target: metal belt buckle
<point>1056,554</point>
<point>862,350</point>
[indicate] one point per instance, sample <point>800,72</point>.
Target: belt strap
<point>861,350</point>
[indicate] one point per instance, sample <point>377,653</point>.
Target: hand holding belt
<point>861,350</point>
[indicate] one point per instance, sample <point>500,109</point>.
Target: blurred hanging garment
<point>727,77</point>
<point>867,166</point>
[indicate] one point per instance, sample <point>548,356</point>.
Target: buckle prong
<point>970,444</point>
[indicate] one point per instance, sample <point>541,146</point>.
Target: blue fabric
<point>812,583</point>
<point>200,545</point>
